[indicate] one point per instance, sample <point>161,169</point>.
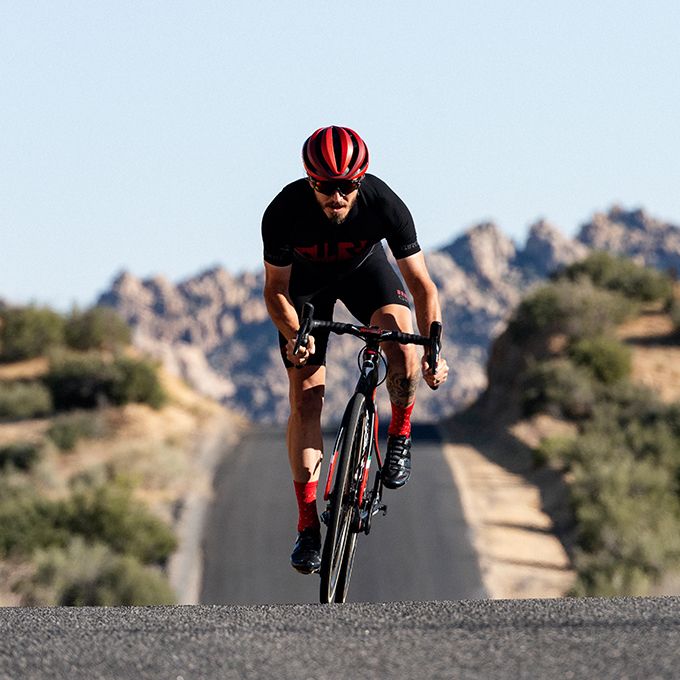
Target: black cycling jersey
<point>296,230</point>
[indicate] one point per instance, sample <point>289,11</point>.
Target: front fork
<point>368,504</point>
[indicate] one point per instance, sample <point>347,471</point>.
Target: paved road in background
<point>475,640</point>
<point>420,550</point>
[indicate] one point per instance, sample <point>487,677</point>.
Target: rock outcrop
<point>214,330</point>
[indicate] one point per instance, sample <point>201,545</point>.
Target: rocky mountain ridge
<point>214,330</point>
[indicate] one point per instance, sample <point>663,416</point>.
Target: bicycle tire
<point>340,517</point>
<point>360,459</point>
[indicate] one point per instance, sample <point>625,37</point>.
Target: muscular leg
<point>305,450</point>
<point>305,442</point>
<point>403,367</point>
<point>402,377</point>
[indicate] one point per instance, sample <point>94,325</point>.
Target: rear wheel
<point>340,543</point>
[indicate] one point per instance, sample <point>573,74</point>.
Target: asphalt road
<point>482,639</point>
<point>419,551</point>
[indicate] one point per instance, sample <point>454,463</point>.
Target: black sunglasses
<point>342,186</point>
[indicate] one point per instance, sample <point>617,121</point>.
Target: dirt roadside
<point>185,568</point>
<point>514,511</point>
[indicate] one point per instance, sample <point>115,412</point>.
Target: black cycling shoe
<point>306,556</point>
<point>397,468</point>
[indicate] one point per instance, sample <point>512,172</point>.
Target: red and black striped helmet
<point>333,153</point>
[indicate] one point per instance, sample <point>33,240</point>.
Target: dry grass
<point>656,356</point>
<point>24,370</point>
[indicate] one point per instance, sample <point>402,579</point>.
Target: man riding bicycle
<point>322,243</point>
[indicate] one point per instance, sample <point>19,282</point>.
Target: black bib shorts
<point>372,285</point>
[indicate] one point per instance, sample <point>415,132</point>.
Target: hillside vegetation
<point>95,460</point>
<point>562,355</point>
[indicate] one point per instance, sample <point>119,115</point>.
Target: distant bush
<point>27,521</point>
<point>109,514</point>
<point>96,328</point>
<point>106,513</point>
<point>608,359</point>
<point>575,309</point>
<point>22,400</point>
<point>622,275</point>
<point>554,451</point>
<point>559,388</point>
<point>138,383</point>
<point>83,575</point>
<point>29,332</point>
<point>87,380</point>
<point>627,512</point>
<point>624,402</point>
<point>81,381</point>
<point>20,455</point>
<point>67,429</point>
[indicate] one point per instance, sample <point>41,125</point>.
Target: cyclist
<point>322,243</point>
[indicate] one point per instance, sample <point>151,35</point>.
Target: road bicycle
<point>351,504</point>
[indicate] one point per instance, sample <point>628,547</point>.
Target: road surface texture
<point>421,550</point>
<point>619,639</point>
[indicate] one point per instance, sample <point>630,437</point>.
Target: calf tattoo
<point>402,389</point>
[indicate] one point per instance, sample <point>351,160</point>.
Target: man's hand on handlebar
<point>303,353</point>
<point>434,380</point>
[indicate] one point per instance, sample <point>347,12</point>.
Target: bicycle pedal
<point>383,509</point>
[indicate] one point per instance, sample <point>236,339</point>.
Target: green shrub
<point>81,381</point>
<point>20,455</point>
<point>27,521</point>
<point>109,514</point>
<point>559,388</point>
<point>576,309</point>
<point>627,512</point>
<point>22,400</point>
<point>85,575</point>
<point>632,401</point>
<point>622,275</point>
<point>88,380</point>
<point>608,359</point>
<point>29,332</point>
<point>106,513</point>
<point>66,430</point>
<point>556,451</point>
<point>138,383</point>
<point>96,328</point>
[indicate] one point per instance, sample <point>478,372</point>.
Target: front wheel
<point>340,543</point>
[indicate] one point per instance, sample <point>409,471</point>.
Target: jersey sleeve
<point>276,247</point>
<point>401,235</point>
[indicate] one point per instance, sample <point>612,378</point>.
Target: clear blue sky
<point>150,136</point>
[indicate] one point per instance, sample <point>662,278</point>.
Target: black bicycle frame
<point>366,385</point>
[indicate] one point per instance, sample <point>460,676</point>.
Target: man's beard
<point>336,219</point>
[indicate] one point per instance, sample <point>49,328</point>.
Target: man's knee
<point>401,357</point>
<point>307,403</point>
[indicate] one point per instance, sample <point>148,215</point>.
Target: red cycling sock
<point>401,420</point>
<point>305,492</point>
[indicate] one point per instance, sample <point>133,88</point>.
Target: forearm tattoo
<point>402,389</point>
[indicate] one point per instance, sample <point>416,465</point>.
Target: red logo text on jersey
<point>332,252</point>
